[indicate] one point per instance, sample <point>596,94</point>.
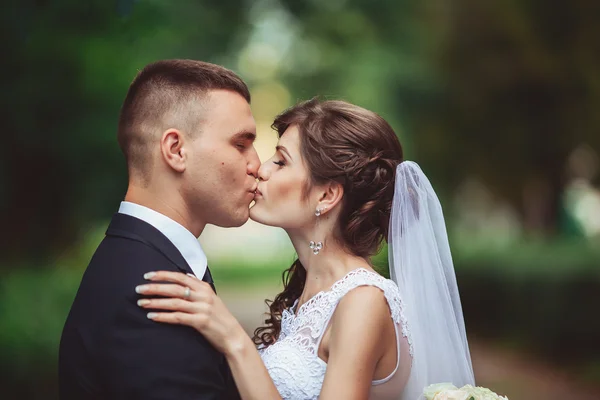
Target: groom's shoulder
<point>115,269</point>
<point>123,252</point>
<point>128,237</point>
<point>130,248</point>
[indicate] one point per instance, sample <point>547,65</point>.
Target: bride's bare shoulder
<point>363,310</point>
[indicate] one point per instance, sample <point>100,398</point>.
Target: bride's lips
<point>257,193</point>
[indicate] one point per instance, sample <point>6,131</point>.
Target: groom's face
<point>224,164</point>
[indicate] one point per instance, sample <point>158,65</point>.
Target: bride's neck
<point>325,268</point>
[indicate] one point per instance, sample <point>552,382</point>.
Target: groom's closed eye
<point>243,140</point>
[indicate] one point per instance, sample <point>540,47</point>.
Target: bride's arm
<point>356,344</point>
<point>200,308</point>
<point>249,372</point>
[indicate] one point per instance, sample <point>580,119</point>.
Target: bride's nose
<point>263,172</point>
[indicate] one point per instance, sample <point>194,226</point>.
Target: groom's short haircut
<point>168,94</point>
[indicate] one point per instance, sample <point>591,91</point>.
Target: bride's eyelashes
<point>280,163</point>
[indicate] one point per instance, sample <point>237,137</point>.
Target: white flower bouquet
<point>447,391</point>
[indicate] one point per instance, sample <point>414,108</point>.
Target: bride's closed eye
<point>280,163</point>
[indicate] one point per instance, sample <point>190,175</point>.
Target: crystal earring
<point>316,247</point>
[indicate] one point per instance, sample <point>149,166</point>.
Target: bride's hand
<point>192,302</point>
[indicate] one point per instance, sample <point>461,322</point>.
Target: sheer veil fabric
<point>421,264</point>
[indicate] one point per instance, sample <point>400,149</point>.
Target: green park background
<point>498,101</point>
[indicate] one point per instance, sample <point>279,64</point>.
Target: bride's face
<point>279,199</point>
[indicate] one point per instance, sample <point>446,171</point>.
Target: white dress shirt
<point>184,240</point>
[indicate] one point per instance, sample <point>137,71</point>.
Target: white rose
<point>481,393</point>
<point>457,394</point>
<point>432,390</point>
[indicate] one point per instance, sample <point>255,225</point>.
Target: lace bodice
<point>293,362</point>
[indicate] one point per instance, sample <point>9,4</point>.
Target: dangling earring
<point>317,246</point>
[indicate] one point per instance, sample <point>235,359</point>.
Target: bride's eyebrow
<point>284,150</point>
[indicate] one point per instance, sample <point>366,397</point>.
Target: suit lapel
<point>129,227</point>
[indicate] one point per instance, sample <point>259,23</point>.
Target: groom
<point>187,134</point>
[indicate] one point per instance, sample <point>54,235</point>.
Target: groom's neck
<point>173,207</point>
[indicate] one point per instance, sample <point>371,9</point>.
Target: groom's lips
<point>253,190</point>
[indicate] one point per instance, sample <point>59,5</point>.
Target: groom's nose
<point>253,163</point>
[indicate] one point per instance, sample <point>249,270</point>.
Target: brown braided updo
<point>358,149</point>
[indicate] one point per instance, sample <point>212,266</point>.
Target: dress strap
<point>363,277</point>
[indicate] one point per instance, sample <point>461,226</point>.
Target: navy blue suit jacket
<point>109,349</point>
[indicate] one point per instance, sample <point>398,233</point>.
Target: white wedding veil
<point>421,264</point>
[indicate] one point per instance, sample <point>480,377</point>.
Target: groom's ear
<point>331,196</point>
<point>172,149</point>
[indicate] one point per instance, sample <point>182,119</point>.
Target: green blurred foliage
<point>66,68</point>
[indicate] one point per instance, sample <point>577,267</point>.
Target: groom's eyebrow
<point>245,135</point>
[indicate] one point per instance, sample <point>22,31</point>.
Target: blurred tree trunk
<point>520,97</point>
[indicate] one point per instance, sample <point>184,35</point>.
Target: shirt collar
<point>187,244</point>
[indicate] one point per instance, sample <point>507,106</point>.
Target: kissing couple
<point>147,323</point>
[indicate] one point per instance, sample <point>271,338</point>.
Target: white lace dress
<point>293,361</point>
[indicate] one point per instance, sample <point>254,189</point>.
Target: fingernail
<point>143,302</point>
<point>149,275</point>
<point>192,275</point>
<point>152,315</point>
<point>140,289</point>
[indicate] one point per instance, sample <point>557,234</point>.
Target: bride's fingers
<point>164,290</point>
<point>177,318</point>
<point>169,304</point>
<point>175,277</point>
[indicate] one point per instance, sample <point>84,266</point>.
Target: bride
<point>338,185</point>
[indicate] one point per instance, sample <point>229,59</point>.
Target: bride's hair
<point>358,149</point>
